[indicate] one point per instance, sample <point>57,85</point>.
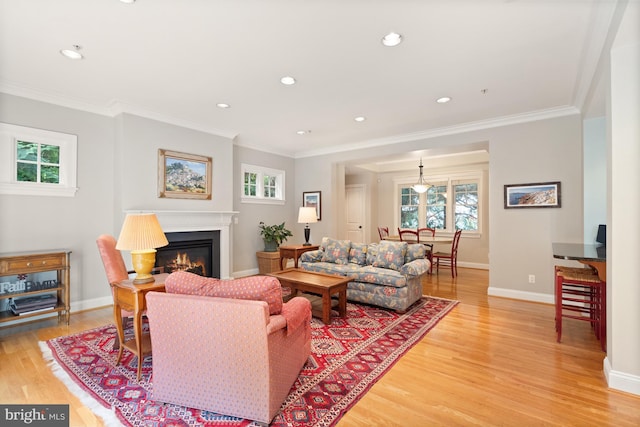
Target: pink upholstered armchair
<point>115,268</point>
<point>227,355</point>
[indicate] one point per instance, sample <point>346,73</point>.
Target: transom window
<point>449,204</point>
<point>262,185</point>
<point>37,162</point>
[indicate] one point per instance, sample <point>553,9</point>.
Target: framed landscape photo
<point>537,195</point>
<point>313,199</point>
<point>183,176</point>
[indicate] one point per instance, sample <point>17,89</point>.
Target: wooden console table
<point>294,252</point>
<point>12,264</point>
<point>131,297</point>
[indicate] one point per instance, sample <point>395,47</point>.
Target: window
<point>262,185</point>
<point>37,162</point>
<point>435,209</point>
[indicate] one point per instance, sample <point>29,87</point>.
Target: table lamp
<point>141,234</point>
<point>307,215</point>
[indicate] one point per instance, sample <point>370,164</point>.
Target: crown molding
<point>532,116</point>
<point>116,107</point>
<point>112,109</point>
<point>51,98</point>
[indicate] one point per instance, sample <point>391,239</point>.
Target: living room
<point>117,170</point>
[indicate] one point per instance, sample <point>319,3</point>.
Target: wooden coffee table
<point>321,284</point>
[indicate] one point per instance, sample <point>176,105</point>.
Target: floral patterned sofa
<point>386,274</point>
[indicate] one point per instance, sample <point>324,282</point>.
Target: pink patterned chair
<point>236,353</point>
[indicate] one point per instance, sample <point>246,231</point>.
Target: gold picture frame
<point>184,176</point>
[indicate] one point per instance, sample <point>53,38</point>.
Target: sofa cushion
<point>415,251</point>
<point>379,276</point>
<point>257,288</point>
<point>358,253</point>
<point>331,268</point>
<point>336,251</point>
<point>372,253</point>
<point>390,255</point>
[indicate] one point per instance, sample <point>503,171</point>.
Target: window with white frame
<point>37,162</point>
<point>451,203</point>
<point>262,185</point>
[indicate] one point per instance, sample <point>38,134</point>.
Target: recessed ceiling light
<point>392,39</point>
<point>288,80</point>
<point>128,1</point>
<point>303,132</point>
<point>72,53</point>
<point>223,105</point>
<point>443,100</point>
<point>360,119</point>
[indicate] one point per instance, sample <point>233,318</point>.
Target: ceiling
<point>174,61</point>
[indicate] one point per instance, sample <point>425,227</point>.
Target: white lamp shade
<point>141,231</point>
<point>307,215</point>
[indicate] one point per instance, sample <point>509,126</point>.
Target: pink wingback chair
<point>116,270</point>
<point>227,355</point>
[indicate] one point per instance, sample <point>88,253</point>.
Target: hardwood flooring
<point>490,362</point>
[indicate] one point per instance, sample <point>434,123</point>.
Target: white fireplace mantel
<point>177,221</point>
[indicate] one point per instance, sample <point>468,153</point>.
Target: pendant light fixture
<point>421,186</point>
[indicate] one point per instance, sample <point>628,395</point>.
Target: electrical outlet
<point>532,278</point>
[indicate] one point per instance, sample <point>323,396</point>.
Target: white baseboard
<point>91,303</point>
<point>475,265</point>
<point>522,295</point>
<point>244,273</point>
<point>619,380</point>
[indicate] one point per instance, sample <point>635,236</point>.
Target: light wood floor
<point>490,362</point>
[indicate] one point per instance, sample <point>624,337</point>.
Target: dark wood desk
<point>294,252</point>
<point>131,297</point>
<point>593,255</point>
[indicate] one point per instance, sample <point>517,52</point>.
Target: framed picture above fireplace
<point>183,176</point>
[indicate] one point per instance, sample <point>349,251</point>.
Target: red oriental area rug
<point>347,358</point>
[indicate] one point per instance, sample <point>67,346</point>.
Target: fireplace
<point>184,222</point>
<point>193,251</point>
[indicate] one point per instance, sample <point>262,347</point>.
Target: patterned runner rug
<point>347,358</point>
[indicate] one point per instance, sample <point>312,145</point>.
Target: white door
<point>355,214</point>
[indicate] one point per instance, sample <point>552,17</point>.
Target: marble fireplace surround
<point>177,221</point>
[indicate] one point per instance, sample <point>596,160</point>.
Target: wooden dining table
<point>424,239</point>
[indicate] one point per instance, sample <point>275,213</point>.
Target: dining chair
<point>383,232</point>
<point>408,235</point>
<point>449,259</point>
<point>429,246</point>
<point>116,271</point>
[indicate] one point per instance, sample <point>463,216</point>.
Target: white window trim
<point>259,198</point>
<point>10,134</point>
<point>474,175</point>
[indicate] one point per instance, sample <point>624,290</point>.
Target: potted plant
<point>273,236</point>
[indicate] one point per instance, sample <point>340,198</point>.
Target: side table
<point>131,297</point>
<point>294,252</point>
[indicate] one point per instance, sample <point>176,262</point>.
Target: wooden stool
<point>581,295</point>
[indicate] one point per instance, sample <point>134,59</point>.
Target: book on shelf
<point>31,304</point>
<point>36,310</point>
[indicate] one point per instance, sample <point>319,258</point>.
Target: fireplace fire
<point>182,262</point>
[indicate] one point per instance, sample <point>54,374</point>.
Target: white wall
<point>622,365</point>
<point>543,151</point>
<point>247,240</point>
<point>42,223</point>
<point>595,176</point>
